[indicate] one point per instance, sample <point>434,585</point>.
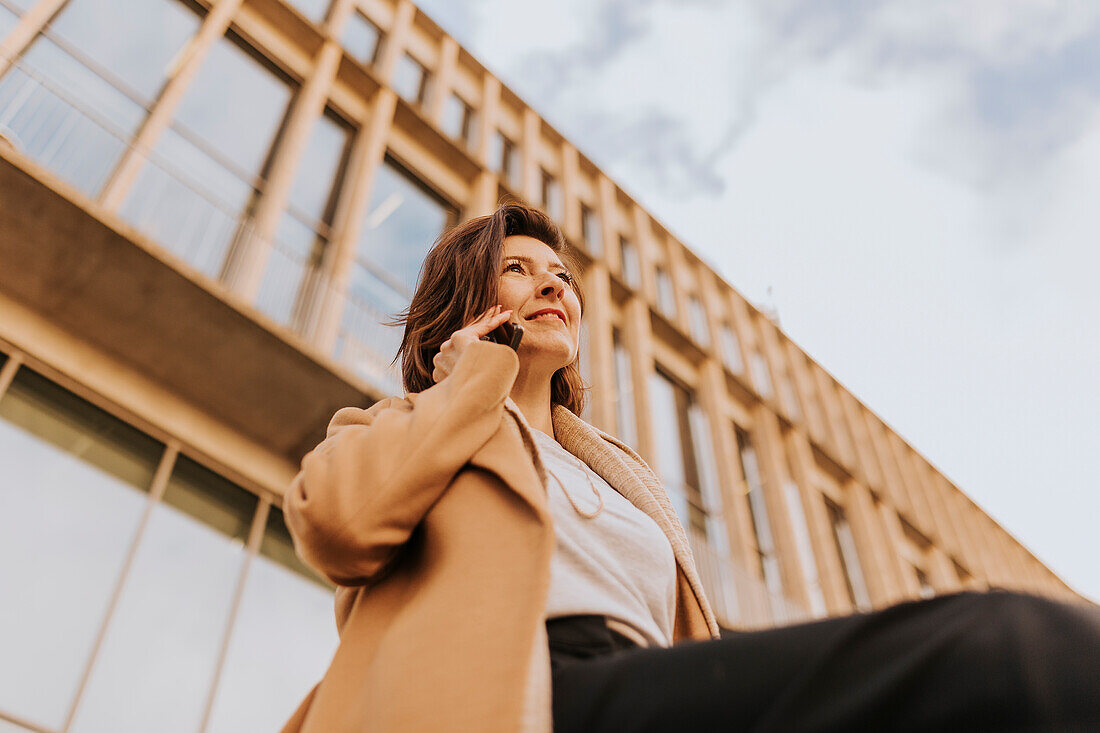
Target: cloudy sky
<point>914,186</point>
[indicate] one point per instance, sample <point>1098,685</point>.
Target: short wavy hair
<point>458,282</point>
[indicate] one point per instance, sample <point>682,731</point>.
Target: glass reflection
<point>402,223</point>
<point>192,194</point>
<point>136,40</point>
<point>173,610</point>
<point>235,104</point>
<point>361,38</point>
<point>410,79</point>
<point>303,230</point>
<point>283,638</point>
<point>71,496</point>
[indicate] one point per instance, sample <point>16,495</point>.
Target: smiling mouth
<point>546,317</point>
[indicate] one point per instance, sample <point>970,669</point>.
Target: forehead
<point>531,249</point>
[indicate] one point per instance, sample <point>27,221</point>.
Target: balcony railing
<point>41,120</point>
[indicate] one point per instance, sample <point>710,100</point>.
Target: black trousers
<point>994,661</point>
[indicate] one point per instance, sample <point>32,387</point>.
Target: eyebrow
<point>529,261</point>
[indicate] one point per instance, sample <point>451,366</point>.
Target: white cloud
<point>916,181</point>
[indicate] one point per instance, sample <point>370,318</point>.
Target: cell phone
<point>508,333</point>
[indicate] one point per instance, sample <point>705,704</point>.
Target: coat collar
<point>614,461</point>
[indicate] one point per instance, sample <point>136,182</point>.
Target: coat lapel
<point>499,456</point>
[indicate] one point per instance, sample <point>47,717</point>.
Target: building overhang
<point>94,276</point>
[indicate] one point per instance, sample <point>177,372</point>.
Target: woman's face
<point>534,281</point>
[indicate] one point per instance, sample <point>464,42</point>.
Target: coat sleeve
<point>363,490</point>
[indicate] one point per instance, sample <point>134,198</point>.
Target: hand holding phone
<point>509,333</point>
<point>492,325</point>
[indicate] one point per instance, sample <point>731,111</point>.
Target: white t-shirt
<point>618,564</point>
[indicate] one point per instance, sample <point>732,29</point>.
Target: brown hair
<point>458,282</point>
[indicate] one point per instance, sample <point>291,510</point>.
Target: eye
<point>513,267</point>
<point>566,277</point>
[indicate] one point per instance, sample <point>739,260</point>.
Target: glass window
<point>814,412</point>
<point>410,79</point>
<point>136,40</point>
<point>74,489</point>
<point>304,229</point>
<point>458,120</point>
<point>550,194</point>
<point>59,112</point>
<point>591,230</point>
<point>849,556</point>
<point>760,375</point>
<point>8,21</point>
<point>191,198</point>
<point>283,638</point>
<point>699,328</point>
<point>630,267</point>
<point>505,159</point>
<point>362,38</point>
<point>584,363</point>
<point>624,392</point>
<point>403,221</point>
<point>676,452</point>
<point>312,9</point>
<point>805,548</point>
<point>173,611</point>
<point>789,395</point>
<point>758,510</point>
<point>731,350</point>
<point>235,105</point>
<point>666,294</point>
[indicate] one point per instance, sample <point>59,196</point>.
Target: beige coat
<point>430,514</point>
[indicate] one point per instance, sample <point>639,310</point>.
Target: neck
<point>531,393</point>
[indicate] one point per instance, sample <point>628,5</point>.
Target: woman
<point>503,566</point>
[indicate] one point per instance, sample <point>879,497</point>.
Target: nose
<point>551,285</point>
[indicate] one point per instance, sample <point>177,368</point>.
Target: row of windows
<point>206,173</point>
<point>206,176</point>
<point>122,585</point>
<point>685,462</point>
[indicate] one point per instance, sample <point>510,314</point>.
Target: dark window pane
<point>173,610</point>
<point>72,494</point>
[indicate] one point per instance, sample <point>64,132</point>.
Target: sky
<point>912,186</point>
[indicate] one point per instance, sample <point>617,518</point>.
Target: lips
<point>547,311</point>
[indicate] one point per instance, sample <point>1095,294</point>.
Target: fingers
<point>491,320</point>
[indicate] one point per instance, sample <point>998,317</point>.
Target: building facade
<point>209,211</point>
